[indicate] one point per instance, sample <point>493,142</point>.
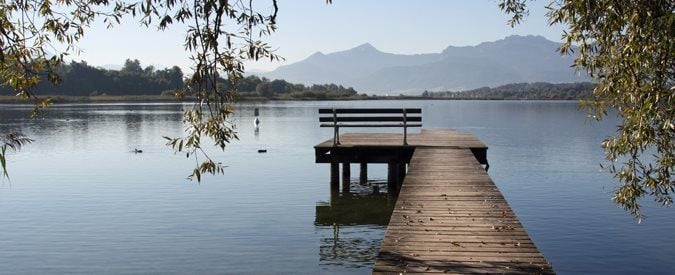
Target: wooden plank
<point>426,138</point>
<point>370,118</point>
<point>451,218</point>
<point>370,111</point>
<point>343,125</point>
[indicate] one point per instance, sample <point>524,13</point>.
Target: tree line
<point>254,86</point>
<point>82,79</point>
<point>528,91</point>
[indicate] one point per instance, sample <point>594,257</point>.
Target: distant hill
<point>515,59</point>
<point>523,91</point>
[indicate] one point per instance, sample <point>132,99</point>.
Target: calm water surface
<point>80,201</point>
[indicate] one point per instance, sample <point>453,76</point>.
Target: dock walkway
<point>449,217</point>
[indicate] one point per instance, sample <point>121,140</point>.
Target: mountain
<point>345,67</point>
<point>514,59</point>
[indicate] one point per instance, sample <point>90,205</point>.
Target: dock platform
<point>450,217</point>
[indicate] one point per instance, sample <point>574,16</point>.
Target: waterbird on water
<point>137,151</point>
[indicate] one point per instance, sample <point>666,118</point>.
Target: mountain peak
<point>365,47</point>
<point>316,54</point>
<point>316,57</point>
<point>526,37</point>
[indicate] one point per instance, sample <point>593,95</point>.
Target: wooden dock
<point>449,216</point>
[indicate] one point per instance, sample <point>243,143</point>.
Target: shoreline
<point>56,99</point>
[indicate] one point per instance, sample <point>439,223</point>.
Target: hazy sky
<point>307,26</point>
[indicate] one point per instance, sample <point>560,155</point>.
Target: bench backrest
<point>356,116</point>
<point>370,117</point>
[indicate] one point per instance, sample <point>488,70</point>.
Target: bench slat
<point>371,111</point>
<point>368,118</point>
<point>341,125</point>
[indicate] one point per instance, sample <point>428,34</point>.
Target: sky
<point>308,26</point>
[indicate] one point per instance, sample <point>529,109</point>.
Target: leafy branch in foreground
<point>219,128</point>
<point>36,36</point>
<point>13,141</point>
<point>218,53</point>
<point>629,48</point>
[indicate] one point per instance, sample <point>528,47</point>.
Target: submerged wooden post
<point>346,176</point>
<point>363,177</point>
<point>334,175</point>
<point>376,189</point>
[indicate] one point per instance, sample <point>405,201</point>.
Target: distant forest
<point>531,91</point>
<point>81,79</point>
<point>253,86</point>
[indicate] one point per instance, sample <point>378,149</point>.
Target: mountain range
<point>514,59</point>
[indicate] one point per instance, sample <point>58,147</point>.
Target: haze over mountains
<point>514,59</point>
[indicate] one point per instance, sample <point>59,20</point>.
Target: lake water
<point>80,201</point>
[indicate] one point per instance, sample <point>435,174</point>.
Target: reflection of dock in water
<point>350,246</point>
<point>355,209</point>
<point>353,224</point>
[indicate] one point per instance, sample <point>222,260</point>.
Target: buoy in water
<point>262,150</point>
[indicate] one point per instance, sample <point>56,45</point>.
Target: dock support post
<point>363,177</point>
<point>334,176</point>
<point>400,171</point>
<point>392,176</point>
<point>346,175</point>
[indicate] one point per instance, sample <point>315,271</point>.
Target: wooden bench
<point>370,117</point>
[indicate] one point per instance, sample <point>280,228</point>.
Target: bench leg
<point>334,136</point>
<point>405,135</point>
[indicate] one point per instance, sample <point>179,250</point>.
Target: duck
<point>137,151</point>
